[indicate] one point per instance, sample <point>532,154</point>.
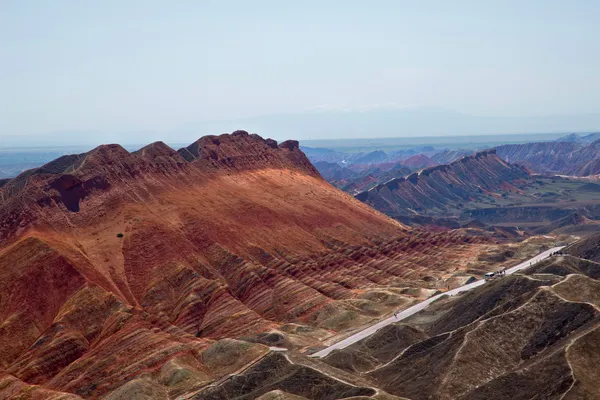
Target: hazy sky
<point>156,65</point>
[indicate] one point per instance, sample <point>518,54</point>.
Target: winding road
<point>421,306</point>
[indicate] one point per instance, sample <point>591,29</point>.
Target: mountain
<point>333,171</point>
<point>592,137</point>
<point>419,161</point>
<point>573,137</point>
<point>316,154</point>
<point>540,157</point>
<point>372,176</point>
<point>373,157</point>
<point>484,191</point>
<point>569,158</point>
<point>448,156</point>
<point>159,273</point>
<point>443,189</point>
<point>359,177</point>
<point>365,122</point>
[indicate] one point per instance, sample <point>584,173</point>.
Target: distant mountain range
<point>360,177</point>
<point>480,190</point>
<point>445,189</point>
<point>573,154</point>
<point>573,137</point>
<point>396,122</point>
<point>332,124</point>
<point>569,157</point>
<point>374,157</point>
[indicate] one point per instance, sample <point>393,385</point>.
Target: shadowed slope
<point>443,188</point>
<point>475,358</point>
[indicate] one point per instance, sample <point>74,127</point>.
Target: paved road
<point>420,306</point>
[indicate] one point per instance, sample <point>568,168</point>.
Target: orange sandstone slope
<point>113,264</point>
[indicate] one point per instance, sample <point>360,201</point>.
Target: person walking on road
<point>396,314</point>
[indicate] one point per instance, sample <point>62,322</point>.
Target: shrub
<point>120,235</point>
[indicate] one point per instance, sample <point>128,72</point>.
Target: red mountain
<point>118,266</point>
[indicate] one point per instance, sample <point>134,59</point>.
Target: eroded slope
<point>120,267</point>
<point>519,337</point>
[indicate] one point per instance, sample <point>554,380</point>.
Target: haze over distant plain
<point>139,71</point>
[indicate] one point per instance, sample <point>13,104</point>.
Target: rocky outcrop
<point>540,157</point>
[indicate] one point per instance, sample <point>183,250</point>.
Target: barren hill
<point>119,271</point>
